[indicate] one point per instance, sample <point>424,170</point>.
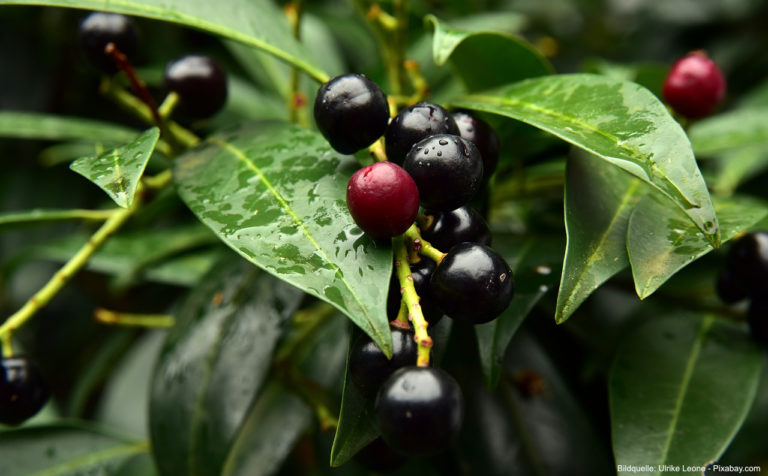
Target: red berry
<point>694,86</point>
<point>382,199</point>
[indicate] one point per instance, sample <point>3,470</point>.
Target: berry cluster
<point>438,161</point>
<point>745,276</point>
<point>110,39</point>
<point>23,391</point>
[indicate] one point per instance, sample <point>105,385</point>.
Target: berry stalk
<point>411,298</point>
<point>139,87</point>
<point>422,246</point>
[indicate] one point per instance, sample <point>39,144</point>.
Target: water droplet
<point>442,142</point>
<point>439,153</point>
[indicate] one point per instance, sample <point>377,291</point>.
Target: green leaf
<point>14,220</point>
<point>535,262</point>
<point>31,125</point>
<point>63,450</point>
<point>119,170</point>
<point>356,427</point>
<point>679,390</point>
<point>736,129</point>
<point>485,58</point>
<point>278,417</point>
<point>275,193</point>
<point>736,166</point>
<point>213,365</point>
<point>257,23</point>
<point>617,121</point>
<point>660,241</point>
<point>598,201</point>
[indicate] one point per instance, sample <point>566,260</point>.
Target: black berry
<point>464,224</point>
<point>413,124</point>
<point>483,136</point>
<point>369,368</point>
<point>377,456</point>
<point>757,318</point>
<point>747,261</point>
<point>419,410</point>
<point>23,391</point>
<point>421,273</point>
<point>351,112</point>
<point>200,83</point>
<point>447,169</point>
<point>472,283</point>
<point>382,199</point>
<point>694,86</point>
<point>730,288</point>
<point>98,29</point>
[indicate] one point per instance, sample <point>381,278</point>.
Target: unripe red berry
<point>694,86</point>
<point>382,199</point>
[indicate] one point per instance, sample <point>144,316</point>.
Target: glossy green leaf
<point>118,171</point>
<point>599,199</point>
<point>732,130</point>
<point>660,241</point>
<point>679,389</point>
<point>32,125</point>
<point>275,193</point>
<point>485,58</point>
<point>278,417</point>
<point>257,23</point>
<point>356,427</point>
<point>63,450</point>
<point>617,121</point>
<point>734,167</point>
<point>535,263</point>
<point>213,364</point>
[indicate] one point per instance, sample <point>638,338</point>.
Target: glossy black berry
<point>747,260</point>
<point>730,288</point>
<point>23,391</point>
<point>369,368</point>
<point>464,224</point>
<point>382,199</point>
<point>421,273</point>
<point>419,410</point>
<point>351,112</point>
<point>472,283</point>
<point>200,83</point>
<point>377,456</point>
<point>447,169</point>
<point>694,86</point>
<point>483,136</point>
<point>98,29</point>
<point>413,124</point>
<point>757,318</point>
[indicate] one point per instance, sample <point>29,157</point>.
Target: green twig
<point>169,104</point>
<point>7,346</point>
<point>411,298</point>
<point>105,316</point>
<point>422,246</point>
<point>297,100</point>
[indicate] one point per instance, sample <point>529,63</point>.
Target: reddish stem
<point>138,86</point>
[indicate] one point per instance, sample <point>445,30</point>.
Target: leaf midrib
<point>690,365</point>
<point>232,149</point>
<point>93,458</point>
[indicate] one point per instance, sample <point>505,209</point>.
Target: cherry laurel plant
<point>380,237</point>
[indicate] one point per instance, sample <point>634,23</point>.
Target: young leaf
<point>618,121</point>
<point>66,450</point>
<point>535,262</point>
<point>213,365</point>
<point>32,125</point>
<point>258,23</point>
<point>485,59</point>
<point>275,193</point>
<point>736,129</point>
<point>118,171</point>
<point>356,426</point>
<point>598,201</point>
<point>660,241</point>
<point>679,389</point>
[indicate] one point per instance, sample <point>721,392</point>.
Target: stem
<point>106,316</point>
<point>423,246</point>
<point>390,34</point>
<point>401,321</point>
<point>138,86</point>
<point>297,100</point>
<point>169,104</point>
<point>377,151</point>
<point>411,299</point>
<point>5,341</point>
<point>65,274</point>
